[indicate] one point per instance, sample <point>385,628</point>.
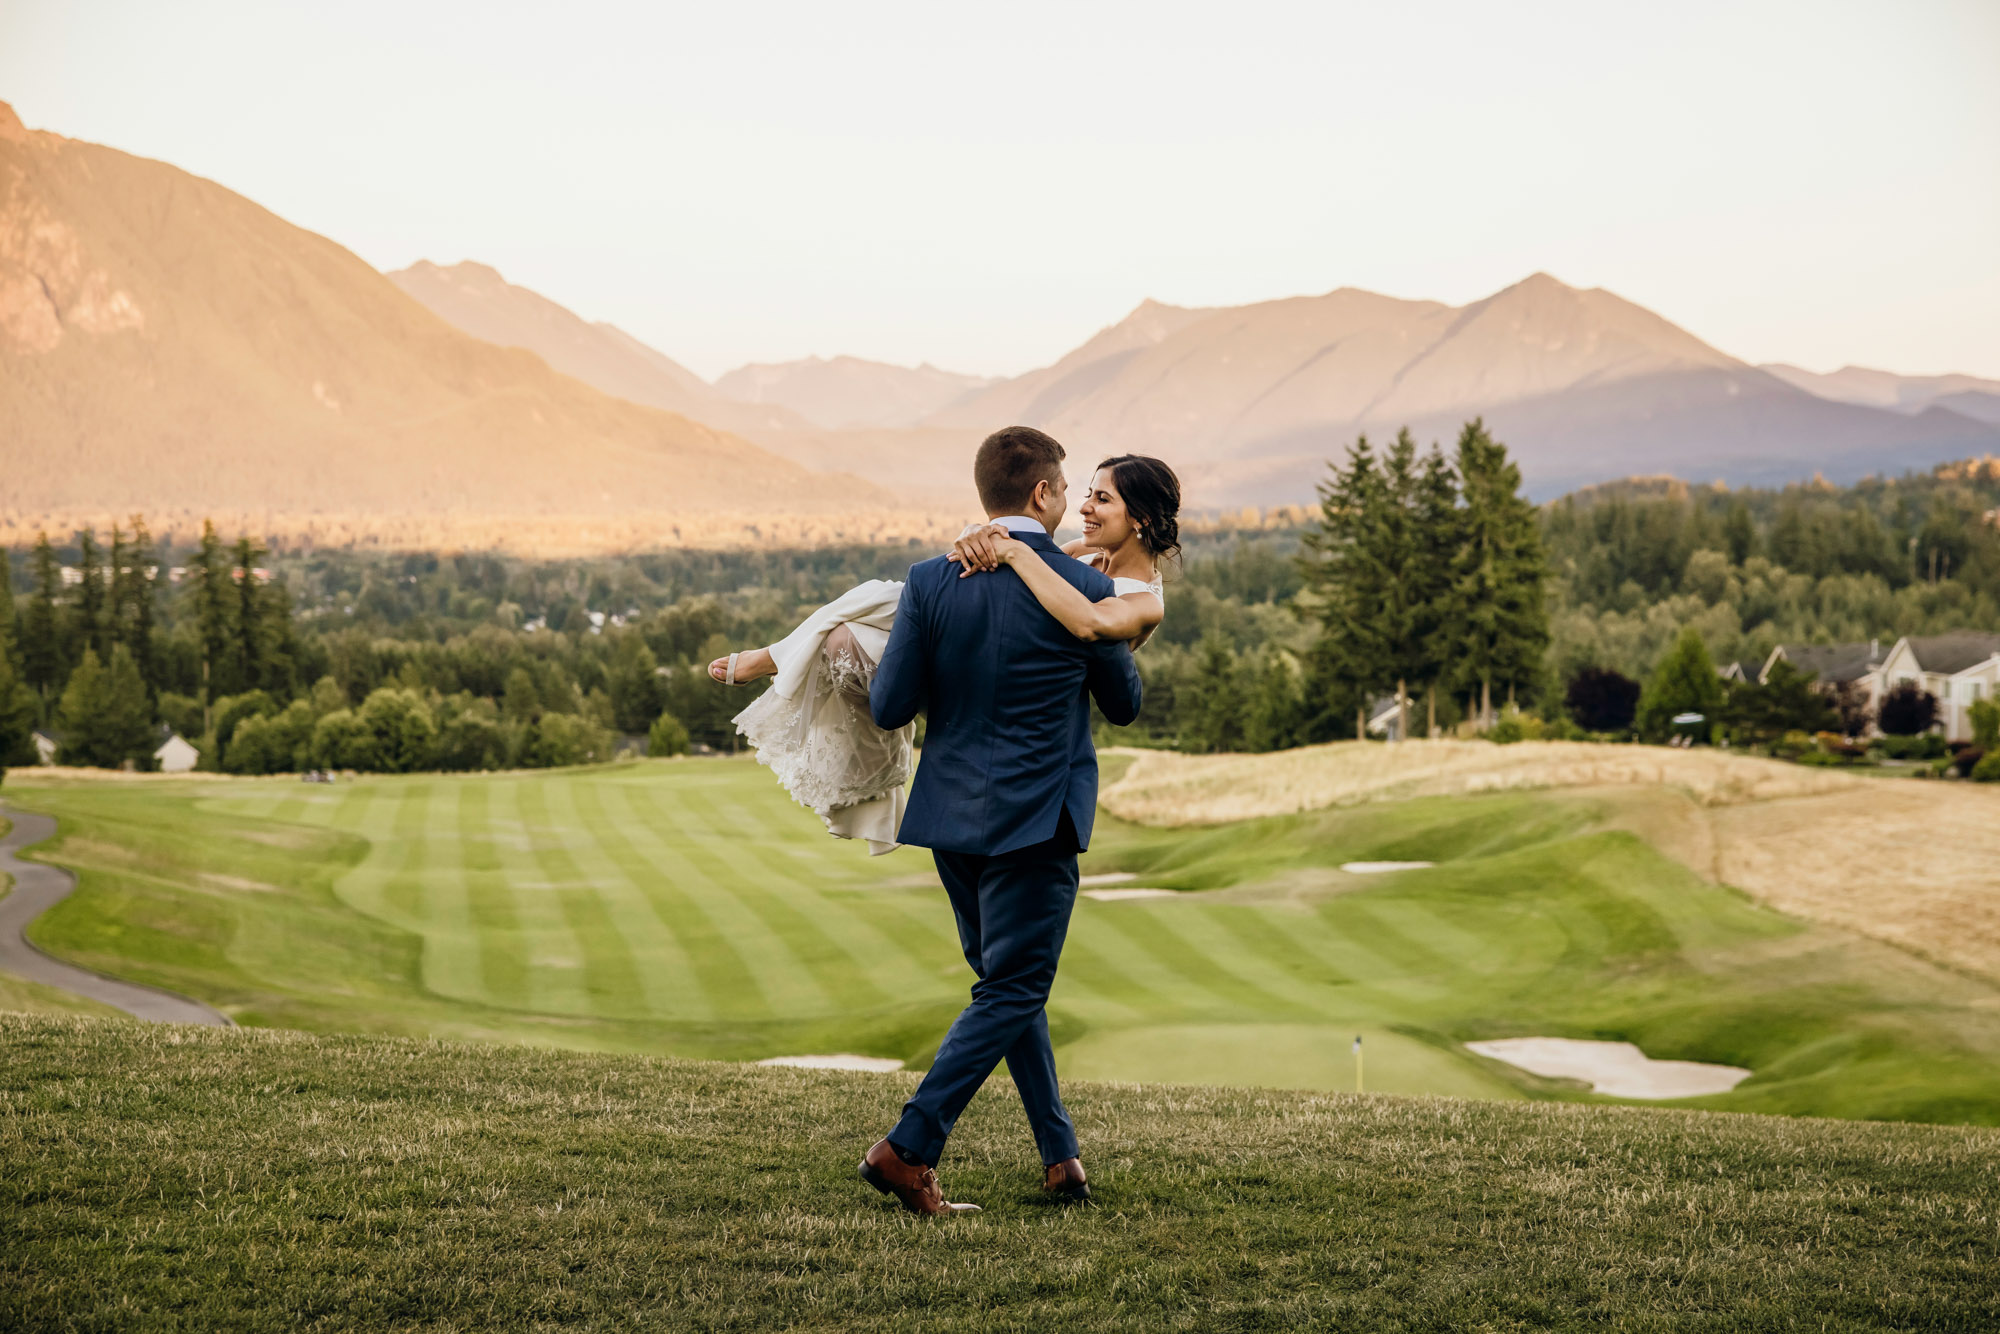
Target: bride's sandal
<point>730,675</point>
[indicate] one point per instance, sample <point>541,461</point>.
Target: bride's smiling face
<point>1106,522</point>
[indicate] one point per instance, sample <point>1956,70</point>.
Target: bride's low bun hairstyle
<point>1152,496</point>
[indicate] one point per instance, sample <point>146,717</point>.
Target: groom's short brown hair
<point>1010,463</point>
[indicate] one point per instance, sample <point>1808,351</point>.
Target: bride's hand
<point>985,546</point>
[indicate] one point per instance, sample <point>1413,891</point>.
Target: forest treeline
<point>1425,573</point>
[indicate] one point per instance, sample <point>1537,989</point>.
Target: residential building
<point>175,755</point>
<point>1959,669</point>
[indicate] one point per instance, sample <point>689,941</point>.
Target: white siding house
<point>175,755</point>
<point>1959,669</point>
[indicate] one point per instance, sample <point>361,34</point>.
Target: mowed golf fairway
<point>689,907</point>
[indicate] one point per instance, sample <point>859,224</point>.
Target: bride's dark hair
<point>1152,496</point>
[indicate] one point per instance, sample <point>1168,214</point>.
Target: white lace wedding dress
<point>813,727</point>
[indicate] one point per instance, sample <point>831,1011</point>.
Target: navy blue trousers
<point>1013,913</point>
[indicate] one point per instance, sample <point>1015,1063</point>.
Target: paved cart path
<point>37,888</point>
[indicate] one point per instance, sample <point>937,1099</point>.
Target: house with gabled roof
<point>1959,669</point>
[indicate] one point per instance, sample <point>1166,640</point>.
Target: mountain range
<point>1249,402</point>
<point>170,347</point>
<point>1967,395</point>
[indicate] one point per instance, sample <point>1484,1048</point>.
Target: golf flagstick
<point>1357,1063</point>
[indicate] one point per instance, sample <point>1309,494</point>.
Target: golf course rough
<point>196,1178</point>
<point>689,908</point>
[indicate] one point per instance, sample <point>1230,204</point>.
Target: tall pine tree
<point>215,614</point>
<point>250,628</point>
<point>143,590</point>
<point>105,717</point>
<point>1344,577</point>
<point>43,665</point>
<point>88,627</point>
<point>1501,624</point>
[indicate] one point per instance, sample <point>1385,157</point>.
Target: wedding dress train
<point>813,728</point>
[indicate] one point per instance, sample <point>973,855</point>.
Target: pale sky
<point>983,187</point>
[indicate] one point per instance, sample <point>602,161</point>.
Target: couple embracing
<point>1004,664</point>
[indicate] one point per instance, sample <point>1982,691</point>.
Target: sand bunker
<point>1382,868</point>
<point>1115,895</point>
<point>1617,1069</point>
<point>878,1065</point>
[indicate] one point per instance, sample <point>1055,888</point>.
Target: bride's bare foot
<point>750,664</point>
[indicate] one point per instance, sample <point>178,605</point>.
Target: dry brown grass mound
<point>1914,864</point>
<point>1166,789</point>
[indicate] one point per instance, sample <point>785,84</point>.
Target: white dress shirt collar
<point>1020,523</point>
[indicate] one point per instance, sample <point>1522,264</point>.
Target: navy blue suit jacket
<point>1006,692</point>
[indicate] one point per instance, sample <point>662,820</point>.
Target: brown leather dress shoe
<point>916,1188</point>
<point>1066,1179</point>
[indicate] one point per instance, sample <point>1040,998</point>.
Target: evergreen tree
<point>251,632</point>
<point>1346,577</point>
<point>1786,701</point>
<point>104,716</point>
<point>279,647</point>
<point>214,614</point>
<point>1381,569</point>
<point>10,629</point>
<point>666,737</point>
<point>1272,719</point>
<point>117,597</point>
<point>1500,619</point>
<point>1683,682</point>
<point>143,591</point>
<point>17,712</point>
<point>1440,536</point>
<point>1212,719</point>
<point>1740,533</point>
<point>637,692</point>
<point>43,667</point>
<point>88,627</point>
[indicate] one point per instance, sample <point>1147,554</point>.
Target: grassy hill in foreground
<point>689,908</point>
<point>217,1180</point>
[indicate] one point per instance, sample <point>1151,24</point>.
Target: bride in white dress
<point>813,726</point>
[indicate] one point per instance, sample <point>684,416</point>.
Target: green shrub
<point>1928,746</point>
<point>1820,759</point>
<point>469,735</point>
<point>1988,768</point>
<point>272,743</point>
<point>1561,728</point>
<point>342,741</point>
<point>1515,726</point>
<point>666,737</point>
<point>1792,745</point>
<point>402,729</point>
<point>181,712</point>
<point>231,710</point>
<point>557,739</point>
<point>1985,717</point>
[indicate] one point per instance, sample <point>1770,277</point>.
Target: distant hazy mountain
<point>1251,401</point>
<point>844,392</point>
<point>1967,395</point>
<point>482,303</point>
<point>168,346</point>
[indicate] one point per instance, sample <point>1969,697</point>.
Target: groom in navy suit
<point>1004,798</point>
